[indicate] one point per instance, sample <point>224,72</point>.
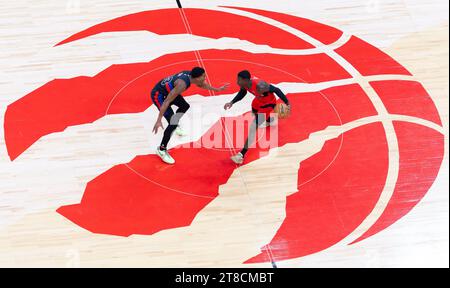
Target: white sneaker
<point>238,158</point>
<point>180,132</point>
<point>165,156</point>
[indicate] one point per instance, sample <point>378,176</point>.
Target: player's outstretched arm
<point>206,86</point>
<point>241,94</point>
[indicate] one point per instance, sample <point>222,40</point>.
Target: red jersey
<point>261,103</point>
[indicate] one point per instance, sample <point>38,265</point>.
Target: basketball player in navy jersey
<point>167,93</point>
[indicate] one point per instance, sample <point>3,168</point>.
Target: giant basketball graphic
<point>383,162</point>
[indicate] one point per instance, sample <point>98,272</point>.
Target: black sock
<point>167,135</point>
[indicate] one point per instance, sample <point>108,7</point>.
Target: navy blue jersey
<point>167,84</point>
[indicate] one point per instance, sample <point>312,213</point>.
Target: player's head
<point>243,78</point>
<point>198,75</point>
<point>263,87</point>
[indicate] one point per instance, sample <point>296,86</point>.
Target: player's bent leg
<point>183,107</point>
<point>161,151</point>
<point>239,157</point>
<point>270,121</point>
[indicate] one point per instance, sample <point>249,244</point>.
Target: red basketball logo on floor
<point>339,188</point>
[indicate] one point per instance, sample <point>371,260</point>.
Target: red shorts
<point>264,105</point>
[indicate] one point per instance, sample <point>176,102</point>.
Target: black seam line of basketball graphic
<point>179,4</point>
<point>200,60</point>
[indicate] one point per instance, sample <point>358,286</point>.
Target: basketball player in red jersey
<point>262,106</point>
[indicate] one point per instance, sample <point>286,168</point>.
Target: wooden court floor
<point>356,177</point>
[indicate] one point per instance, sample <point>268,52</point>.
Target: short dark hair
<point>244,75</point>
<point>197,72</point>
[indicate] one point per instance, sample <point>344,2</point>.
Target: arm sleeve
<point>279,93</point>
<point>241,94</point>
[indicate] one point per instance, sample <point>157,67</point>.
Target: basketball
<point>282,110</point>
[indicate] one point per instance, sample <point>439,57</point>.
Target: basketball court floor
<point>357,176</point>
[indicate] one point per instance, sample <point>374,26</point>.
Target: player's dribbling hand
<point>158,125</point>
<point>228,106</point>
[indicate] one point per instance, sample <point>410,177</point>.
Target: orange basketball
<point>282,110</point>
